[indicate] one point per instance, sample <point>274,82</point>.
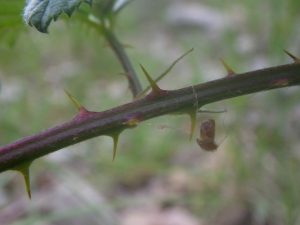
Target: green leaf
<point>39,13</point>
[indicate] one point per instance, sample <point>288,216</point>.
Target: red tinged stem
<point>111,121</point>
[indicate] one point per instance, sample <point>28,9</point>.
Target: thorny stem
<point>134,83</point>
<point>114,120</point>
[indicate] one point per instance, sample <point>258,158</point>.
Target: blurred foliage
<point>11,23</point>
<point>254,174</point>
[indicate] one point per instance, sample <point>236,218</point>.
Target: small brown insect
<point>207,136</point>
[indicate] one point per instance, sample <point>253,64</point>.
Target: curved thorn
<point>230,72</point>
<point>153,85</point>
<point>292,56</point>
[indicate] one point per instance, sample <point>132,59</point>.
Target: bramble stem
<point>114,120</point>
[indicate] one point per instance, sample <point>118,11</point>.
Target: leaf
<point>39,13</point>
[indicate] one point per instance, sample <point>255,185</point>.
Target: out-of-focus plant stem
<point>134,83</point>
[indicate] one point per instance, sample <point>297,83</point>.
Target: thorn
<point>27,181</point>
<point>230,72</point>
<point>24,170</point>
<point>292,56</point>
<point>129,79</point>
<point>115,137</point>
<point>125,74</point>
<point>153,85</point>
<point>161,76</point>
<point>192,115</point>
<point>127,90</point>
<point>81,110</point>
<point>76,103</point>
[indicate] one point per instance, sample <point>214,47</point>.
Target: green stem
<point>134,83</point>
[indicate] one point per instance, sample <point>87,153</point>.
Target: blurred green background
<point>158,177</point>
